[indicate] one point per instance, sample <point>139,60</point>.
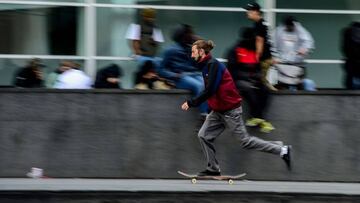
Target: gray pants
<point>215,124</point>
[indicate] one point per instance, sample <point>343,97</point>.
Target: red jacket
<point>220,90</point>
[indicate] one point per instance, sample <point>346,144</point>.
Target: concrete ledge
<point>141,134</point>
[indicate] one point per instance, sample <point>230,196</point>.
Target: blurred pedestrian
<point>246,72</point>
<point>53,76</point>
<point>225,102</point>
<point>109,77</point>
<point>262,40</point>
<point>292,44</point>
<point>147,78</point>
<point>178,67</point>
<point>351,51</point>
<point>30,76</point>
<point>74,78</point>
<point>145,37</point>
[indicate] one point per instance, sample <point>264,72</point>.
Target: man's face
<point>251,14</point>
<point>196,53</point>
<point>149,20</point>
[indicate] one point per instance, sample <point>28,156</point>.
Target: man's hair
<point>206,45</point>
<point>148,13</point>
<point>289,20</point>
<point>181,32</point>
<point>70,64</point>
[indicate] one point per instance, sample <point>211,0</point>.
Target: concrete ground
<point>164,185</point>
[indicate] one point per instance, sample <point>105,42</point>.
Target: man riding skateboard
<point>224,100</point>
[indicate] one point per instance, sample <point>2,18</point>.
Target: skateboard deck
<point>229,178</point>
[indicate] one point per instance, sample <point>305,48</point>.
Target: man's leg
<point>235,123</point>
<point>210,130</point>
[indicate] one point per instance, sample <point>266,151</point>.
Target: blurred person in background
<point>145,37</point>
<point>73,78</point>
<point>292,44</point>
<point>109,77</point>
<point>31,76</point>
<point>351,51</point>
<point>147,78</point>
<point>178,67</point>
<point>262,40</point>
<point>246,72</point>
<point>224,100</point>
<point>53,76</point>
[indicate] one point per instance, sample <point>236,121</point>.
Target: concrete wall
<point>132,134</point>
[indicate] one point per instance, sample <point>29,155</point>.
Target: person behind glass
<point>147,78</point>
<point>145,37</point>
<point>178,67</point>
<point>73,78</point>
<point>31,76</point>
<point>263,45</point>
<point>109,77</point>
<point>225,102</point>
<point>351,50</point>
<point>53,76</point>
<point>246,72</point>
<point>292,44</point>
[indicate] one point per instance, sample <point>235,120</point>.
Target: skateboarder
<point>224,100</point>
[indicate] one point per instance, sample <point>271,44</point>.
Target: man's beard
<point>197,59</point>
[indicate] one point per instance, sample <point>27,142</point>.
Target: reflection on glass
<point>34,29</point>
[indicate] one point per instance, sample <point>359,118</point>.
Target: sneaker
<point>287,157</point>
<point>266,127</point>
<point>252,122</point>
<point>209,173</point>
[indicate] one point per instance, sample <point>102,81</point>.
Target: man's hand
<point>302,51</point>
<point>185,106</point>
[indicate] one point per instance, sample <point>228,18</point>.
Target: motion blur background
<point>92,32</point>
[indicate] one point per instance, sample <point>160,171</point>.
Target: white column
<point>270,15</point>
<point>90,38</point>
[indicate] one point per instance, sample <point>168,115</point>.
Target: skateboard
<point>228,178</point>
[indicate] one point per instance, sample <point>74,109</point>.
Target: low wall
<point>137,134</point>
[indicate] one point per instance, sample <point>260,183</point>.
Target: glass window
<point>227,3</point>
<point>9,67</point>
<point>59,1</point>
<point>326,30</point>
<point>45,30</point>
<point>319,4</point>
<point>221,27</point>
<point>326,75</point>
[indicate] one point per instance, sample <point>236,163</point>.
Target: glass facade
<point>93,31</point>
<point>319,4</point>
<point>41,30</point>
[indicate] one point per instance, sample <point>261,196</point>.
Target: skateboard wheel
<point>193,181</point>
<point>231,182</point>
